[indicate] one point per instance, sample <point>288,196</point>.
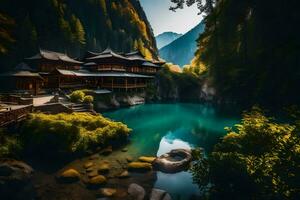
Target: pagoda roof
<point>21,74</point>
<point>85,73</point>
<point>23,67</point>
<point>108,53</point>
<point>51,55</point>
<point>149,64</point>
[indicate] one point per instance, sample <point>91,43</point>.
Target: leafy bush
<point>88,99</point>
<point>77,96</point>
<point>10,146</point>
<point>69,133</point>
<point>258,160</point>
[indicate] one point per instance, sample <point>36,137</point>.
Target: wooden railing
<point>124,86</point>
<point>14,114</point>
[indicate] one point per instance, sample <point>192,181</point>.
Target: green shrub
<point>259,159</point>
<point>77,96</point>
<point>10,146</point>
<point>88,99</point>
<point>70,133</point>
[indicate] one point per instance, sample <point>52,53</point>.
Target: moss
<point>88,99</point>
<point>70,133</point>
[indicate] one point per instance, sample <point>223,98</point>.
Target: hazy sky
<point>162,19</point>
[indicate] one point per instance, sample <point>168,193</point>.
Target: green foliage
<point>175,85</point>
<point>77,96</point>
<point>250,50</point>
<point>6,38</point>
<point>10,145</point>
<point>69,133</point>
<point>66,26</point>
<point>88,99</point>
<point>259,159</point>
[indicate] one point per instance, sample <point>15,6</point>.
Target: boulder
<point>124,150</point>
<point>107,192</point>
<point>97,180</point>
<point>70,175</point>
<point>15,180</point>
<point>147,159</point>
<point>136,191</point>
<point>157,194</point>
<point>139,166</point>
<point>173,162</point>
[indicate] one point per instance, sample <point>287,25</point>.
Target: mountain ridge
<point>166,38</point>
<point>182,50</point>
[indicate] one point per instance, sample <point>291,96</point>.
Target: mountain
<point>166,38</point>
<point>182,50</point>
<point>72,26</point>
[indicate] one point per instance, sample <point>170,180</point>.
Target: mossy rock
<point>97,180</point>
<point>147,159</point>
<point>139,166</point>
<point>70,175</point>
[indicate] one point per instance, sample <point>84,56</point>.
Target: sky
<point>163,20</point>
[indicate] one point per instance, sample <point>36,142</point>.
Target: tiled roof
<point>51,55</point>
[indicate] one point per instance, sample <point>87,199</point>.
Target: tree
<point>6,38</point>
<point>258,159</point>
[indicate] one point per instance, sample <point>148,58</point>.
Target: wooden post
<point>126,83</point>
<point>112,84</point>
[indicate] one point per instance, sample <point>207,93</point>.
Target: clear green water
<point>159,128</point>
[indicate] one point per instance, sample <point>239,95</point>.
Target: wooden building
<point>107,70</point>
<point>48,61</point>
<point>22,80</point>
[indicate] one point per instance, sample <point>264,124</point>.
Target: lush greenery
<point>251,49</point>
<point>258,159</point>
<point>72,26</point>
<point>10,145</point>
<point>79,96</point>
<point>173,85</point>
<point>62,134</point>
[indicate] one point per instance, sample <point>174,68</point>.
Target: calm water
<point>159,128</point>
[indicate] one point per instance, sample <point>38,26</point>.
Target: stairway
<point>80,108</point>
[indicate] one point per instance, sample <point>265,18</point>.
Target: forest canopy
<point>251,49</point>
<point>72,26</point>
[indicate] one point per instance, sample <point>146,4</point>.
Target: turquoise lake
<point>159,128</point>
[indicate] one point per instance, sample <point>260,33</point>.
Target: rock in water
<point>147,159</point>
<point>175,161</point>
<point>107,192</point>
<point>104,167</point>
<point>15,180</point>
<point>88,165</point>
<point>136,191</point>
<point>107,151</point>
<point>157,194</point>
<point>124,174</point>
<point>70,175</point>
<point>97,180</point>
<point>139,166</point>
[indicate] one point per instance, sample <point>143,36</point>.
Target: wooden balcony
<point>124,86</point>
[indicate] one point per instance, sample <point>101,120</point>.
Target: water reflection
<point>159,128</point>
